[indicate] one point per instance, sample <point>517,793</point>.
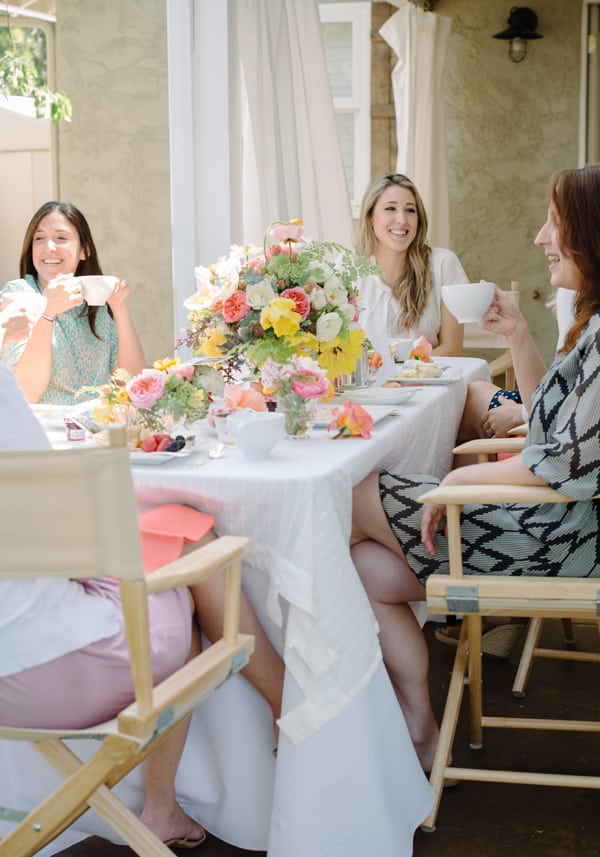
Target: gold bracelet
<point>49,318</point>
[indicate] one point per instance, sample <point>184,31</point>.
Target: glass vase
<point>299,413</point>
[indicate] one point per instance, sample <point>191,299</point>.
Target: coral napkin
<point>164,529</point>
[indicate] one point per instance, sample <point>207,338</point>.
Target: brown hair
<point>576,195</point>
<point>88,265</point>
<point>413,289</point>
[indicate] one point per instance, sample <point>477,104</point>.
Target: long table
<point>346,780</point>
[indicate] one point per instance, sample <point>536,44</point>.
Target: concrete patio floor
<point>494,820</point>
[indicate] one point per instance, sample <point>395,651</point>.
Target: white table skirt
<point>346,780</point>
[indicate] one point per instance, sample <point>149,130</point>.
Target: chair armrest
<point>500,364</point>
<point>490,446</point>
<point>519,431</point>
<point>458,495</point>
<point>198,564</point>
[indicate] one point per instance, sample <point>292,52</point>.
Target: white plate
<point>378,396</point>
<point>449,375</point>
<point>138,456</point>
<point>325,415</point>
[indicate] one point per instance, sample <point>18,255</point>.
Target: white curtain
<point>419,40</point>
<point>287,160</point>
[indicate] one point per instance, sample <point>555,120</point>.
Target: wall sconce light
<point>522,22</point>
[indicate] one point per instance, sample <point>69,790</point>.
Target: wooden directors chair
<point>475,596</point>
<point>72,514</point>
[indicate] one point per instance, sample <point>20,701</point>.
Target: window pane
<point>338,51</point>
<point>345,126</point>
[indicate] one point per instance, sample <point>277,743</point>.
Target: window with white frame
<point>346,35</point>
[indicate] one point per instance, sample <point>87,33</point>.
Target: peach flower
<point>421,350</point>
<point>236,397</point>
<point>353,421</point>
<point>301,300</point>
<point>235,307</point>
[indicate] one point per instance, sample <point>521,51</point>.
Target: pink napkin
<point>163,531</point>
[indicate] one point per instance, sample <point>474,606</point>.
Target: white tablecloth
<point>346,780</point>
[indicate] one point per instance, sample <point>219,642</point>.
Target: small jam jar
<point>75,432</point>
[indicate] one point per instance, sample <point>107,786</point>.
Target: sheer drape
<point>289,163</point>
<point>419,40</point>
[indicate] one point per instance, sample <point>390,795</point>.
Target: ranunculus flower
<point>353,421</point>
<point>422,350</point>
<point>260,294</point>
<point>281,315</point>
<point>328,326</point>
<point>145,390</point>
<point>237,396</point>
<point>301,300</point>
<point>291,231</point>
<point>310,385</point>
<point>235,307</point>
<point>183,370</point>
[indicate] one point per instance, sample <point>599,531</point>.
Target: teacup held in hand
<point>96,290</point>
<point>468,301</point>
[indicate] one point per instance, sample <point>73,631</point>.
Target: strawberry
<point>164,442</point>
<point>149,444</point>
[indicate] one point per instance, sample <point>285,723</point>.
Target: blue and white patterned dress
<point>563,447</point>
<point>78,357</point>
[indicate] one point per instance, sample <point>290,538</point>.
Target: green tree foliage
<point>23,71</point>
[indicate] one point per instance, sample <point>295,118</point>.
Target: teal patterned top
<point>79,359</point>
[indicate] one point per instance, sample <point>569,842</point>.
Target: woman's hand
<point>15,323</point>
<point>120,295</point>
<point>499,421</point>
<point>430,525</point>
<point>62,293</point>
<point>503,316</point>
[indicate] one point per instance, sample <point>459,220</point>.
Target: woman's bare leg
<point>161,812</point>
<point>391,585</point>
<point>479,395</point>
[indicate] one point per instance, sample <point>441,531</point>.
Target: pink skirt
<point>94,683</point>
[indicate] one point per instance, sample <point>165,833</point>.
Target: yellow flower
<point>196,399</point>
<point>280,315</point>
<point>164,364</point>
<point>339,356</point>
<point>101,414</point>
<point>122,397</point>
<point>212,342</point>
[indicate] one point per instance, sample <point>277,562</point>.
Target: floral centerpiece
<point>293,297</point>
<point>167,393</point>
<point>298,385</point>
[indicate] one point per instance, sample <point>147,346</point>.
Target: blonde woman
<point>407,300</point>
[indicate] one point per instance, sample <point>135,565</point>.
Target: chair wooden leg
<point>568,632</point>
<point>473,622</point>
<point>448,728</point>
<point>534,630</point>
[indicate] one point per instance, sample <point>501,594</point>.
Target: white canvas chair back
<point>73,514</point>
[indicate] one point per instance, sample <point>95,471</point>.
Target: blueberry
<point>176,444</point>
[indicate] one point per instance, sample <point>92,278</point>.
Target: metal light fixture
<point>522,23</point>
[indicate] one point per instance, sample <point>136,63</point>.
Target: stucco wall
<point>114,156</point>
<point>509,126</point>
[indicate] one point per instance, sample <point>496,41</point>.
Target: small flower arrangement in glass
<point>298,385</point>
<point>155,399</point>
<point>296,297</point>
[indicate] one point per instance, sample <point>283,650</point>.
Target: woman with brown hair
<point>398,543</point>
<point>72,344</point>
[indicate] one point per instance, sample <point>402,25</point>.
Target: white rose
<point>260,294</point>
<point>328,326</point>
<point>335,292</point>
<point>317,298</point>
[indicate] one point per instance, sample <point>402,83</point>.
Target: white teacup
<point>256,432</point>
<point>31,302</point>
<point>97,289</point>
<point>468,301</point>
<point>400,349</point>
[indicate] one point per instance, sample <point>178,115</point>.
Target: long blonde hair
<point>412,290</point>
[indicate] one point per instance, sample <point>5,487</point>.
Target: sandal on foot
<point>498,643</point>
<point>186,842</point>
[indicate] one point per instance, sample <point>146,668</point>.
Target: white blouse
<point>41,619</point>
<point>380,314</point>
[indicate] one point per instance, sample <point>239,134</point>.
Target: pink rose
<point>310,386</point>
<point>235,307</point>
<point>145,390</point>
<point>183,370</point>
<point>301,300</point>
